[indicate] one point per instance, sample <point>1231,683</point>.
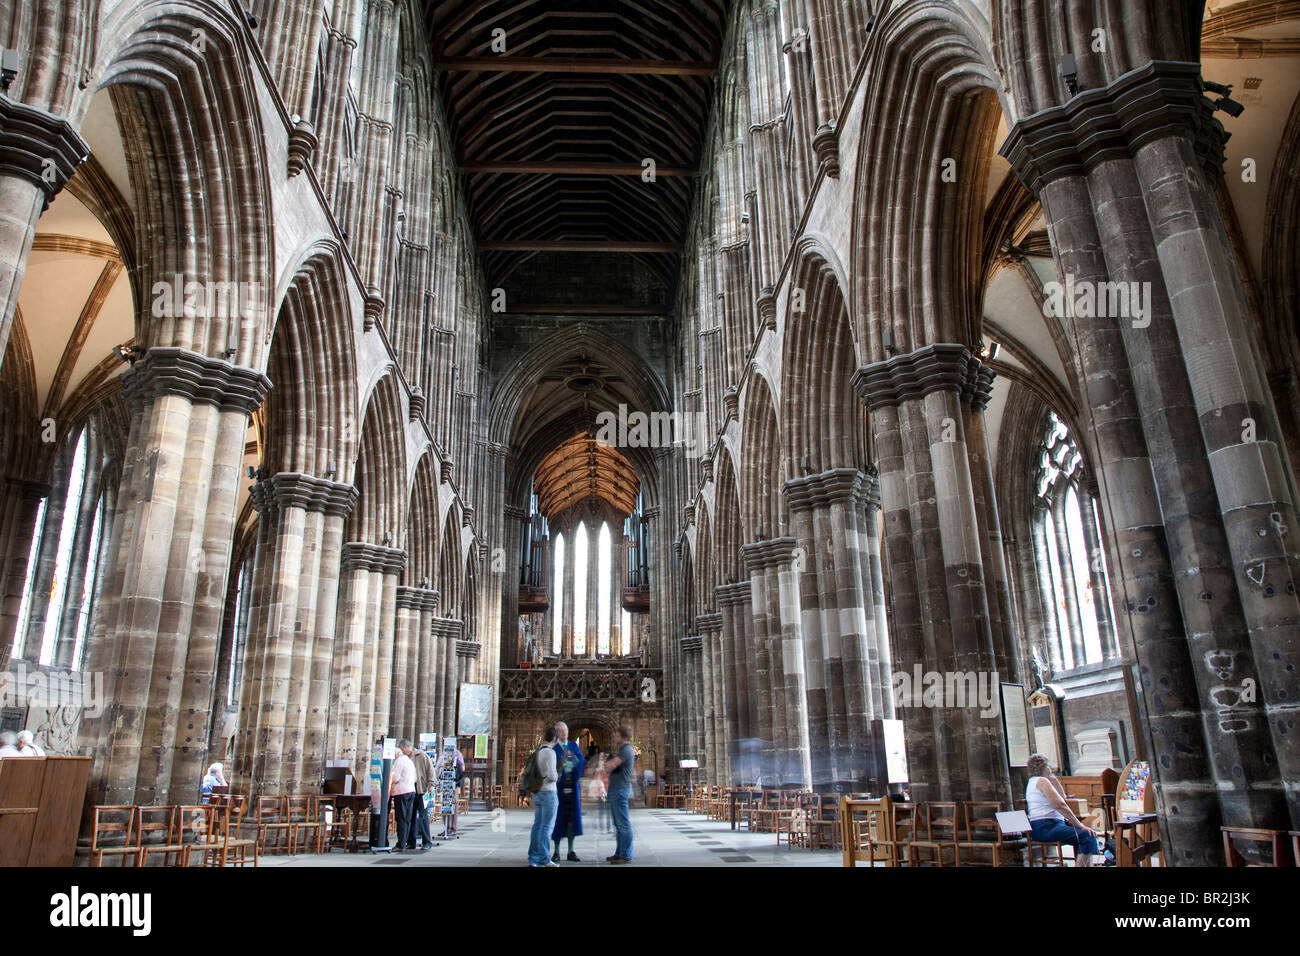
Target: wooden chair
<point>983,834</point>
<point>115,834</point>
<point>193,824</point>
<point>272,818</point>
<point>902,830</point>
<point>301,815</point>
<point>824,822</point>
<point>1275,840</point>
<point>223,846</point>
<point>1137,839</point>
<point>866,831</point>
<point>1042,854</point>
<point>940,820</point>
<point>159,832</point>
<point>334,828</point>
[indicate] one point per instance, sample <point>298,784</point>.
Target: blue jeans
<point>1058,831</point>
<point>622,822</point>
<point>545,805</point>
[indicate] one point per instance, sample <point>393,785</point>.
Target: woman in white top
<point>1050,818</point>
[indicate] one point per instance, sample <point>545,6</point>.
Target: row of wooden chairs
<point>175,833</point>
<point>673,796</point>
<point>937,833</point>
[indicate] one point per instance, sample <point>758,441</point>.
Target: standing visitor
<point>568,815</point>
<point>620,769</point>
<point>424,784</point>
<point>544,802</point>
<point>402,788</point>
<point>597,792</point>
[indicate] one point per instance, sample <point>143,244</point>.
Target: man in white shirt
<point>545,803</point>
<point>27,747</point>
<point>401,786</point>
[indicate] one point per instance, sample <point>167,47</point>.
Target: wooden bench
<point>1276,840</point>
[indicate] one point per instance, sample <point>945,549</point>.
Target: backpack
<point>530,781</point>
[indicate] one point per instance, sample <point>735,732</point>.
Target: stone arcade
<point>324,326</point>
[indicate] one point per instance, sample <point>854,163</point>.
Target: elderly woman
<point>1050,818</point>
<point>215,777</point>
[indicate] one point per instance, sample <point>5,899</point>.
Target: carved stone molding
<point>932,368</point>
<point>1162,98</point>
<point>203,380</point>
<point>361,555</point>
<point>737,594</point>
<point>708,623</point>
<point>690,643</point>
<point>291,489</point>
<point>467,649</point>
<point>419,599</point>
<point>771,553</point>
<point>830,487</point>
<point>302,143</point>
<point>38,146</point>
<point>447,627</point>
<point>826,144</point>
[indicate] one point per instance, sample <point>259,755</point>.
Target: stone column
<point>448,631</point>
<point>38,152</point>
<point>941,613</point>
<point>770,564</point>
<point>733,602</point>
<point>168,570</point>
<point>568,597</point>
<point>1206,477</point>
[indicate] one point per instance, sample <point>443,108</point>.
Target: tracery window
<point>1071,561</point>
<point>63,564</point>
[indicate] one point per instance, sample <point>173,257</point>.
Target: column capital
<point>771,553</point>
<point>167,370</point>
<point>1162,98</point>
<point>649,514</point>
<point>419,599</point>
<point>514,511</point>
<point>730,595</point>
<point>446,627</point>
<point>39,146</point>
<point>708,623</point>
<point>931,368</point>
<point>467,649</point>
<point>361,555</point>
<point>292,489</point>
<point>690,643</point>
<point>829,487</point>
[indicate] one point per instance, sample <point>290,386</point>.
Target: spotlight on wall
<point>388,538</point>
<point>1070,73</point>
<point>1222,89</point>
<point>989,350</point>
<point>331,471</point>
<point>871,22</point>
<point>250,19</point>
<point>130,354</point>
<point>8,68</point>
<point>251,472</point>
<point>887,338</point>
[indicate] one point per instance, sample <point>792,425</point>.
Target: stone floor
<point>661,838</point>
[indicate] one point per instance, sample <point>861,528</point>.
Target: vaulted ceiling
<point>554,108</point>
<point>583,468</point>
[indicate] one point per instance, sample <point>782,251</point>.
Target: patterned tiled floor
<point>661,838</point>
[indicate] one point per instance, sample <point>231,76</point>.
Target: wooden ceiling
<point>583,468</point>
<point>552,130</point>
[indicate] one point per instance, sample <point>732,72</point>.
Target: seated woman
<point>213,778</point>
<point>1050,818</point>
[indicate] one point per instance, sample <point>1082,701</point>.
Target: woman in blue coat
<point>568,818</point>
